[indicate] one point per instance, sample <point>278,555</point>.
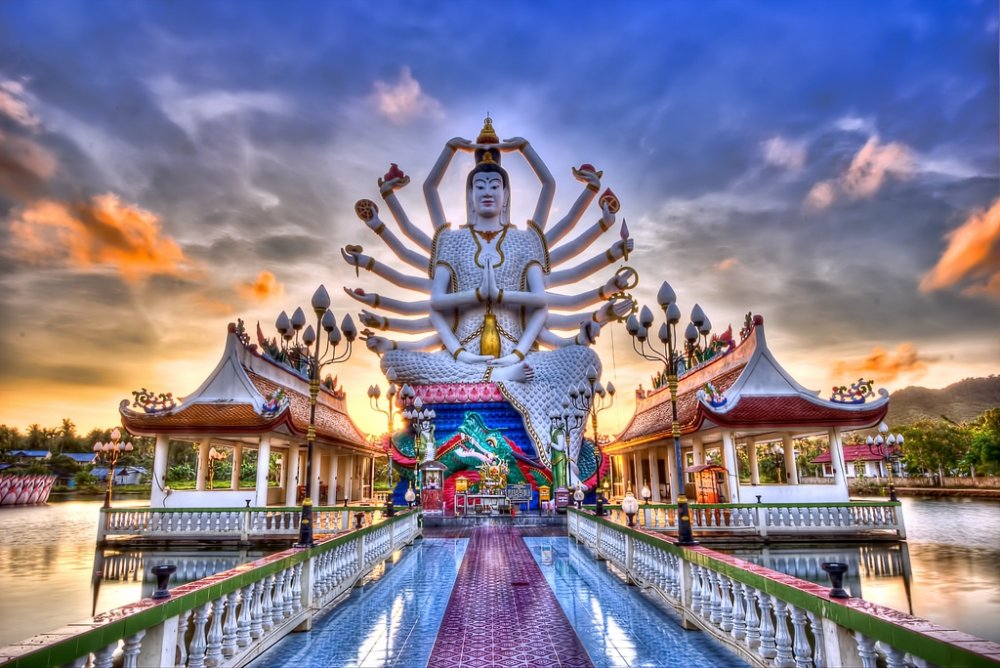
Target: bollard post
<point>162,573</point>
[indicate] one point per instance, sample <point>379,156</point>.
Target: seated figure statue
<point>490,310</point>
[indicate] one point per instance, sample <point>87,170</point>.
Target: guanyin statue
<point>490,315</point>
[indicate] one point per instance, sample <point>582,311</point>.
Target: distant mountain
<point>962,401</point>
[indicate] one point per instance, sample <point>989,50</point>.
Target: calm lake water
<point>48,559</point>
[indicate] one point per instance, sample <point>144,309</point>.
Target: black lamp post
<point>374,392</point>
<point>109,453</point>
<point>315,360</point>
<point>638,329</point>
<point>887,448</point>
<point>592,398</point>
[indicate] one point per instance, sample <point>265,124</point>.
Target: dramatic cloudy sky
<point>167,167</point>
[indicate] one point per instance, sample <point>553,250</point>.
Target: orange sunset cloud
<point>101,232</point>
<point>262,288</point>
<point>972,256</point>
<point>885,366</point>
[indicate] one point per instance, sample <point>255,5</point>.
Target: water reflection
<point>881,567</point>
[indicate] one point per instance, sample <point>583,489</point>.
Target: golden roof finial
<point>487,135</point>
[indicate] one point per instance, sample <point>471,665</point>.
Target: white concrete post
<point>263,464</point>
<point>159,645</point>
<point>292,475</point>
<point>234,481</point>
<point>201,479</point>
<point>161,452</point>
<point>732,464</point>
<point>790,467</point>
<point>331,481</point>
<point>349,480</point>
<point>754,463</point>
<point>654,475</point>
<point>698,449</point>
<point>839,467</point>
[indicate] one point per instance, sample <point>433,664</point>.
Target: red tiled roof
<point>793,410</point>
<point>655,421</point>
<point>852,453</point>
<point>332,425</point>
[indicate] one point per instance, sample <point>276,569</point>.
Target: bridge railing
<point>772,619</point>
<point>226,619</point>
<point>226,523</point>
<point>786,519</point>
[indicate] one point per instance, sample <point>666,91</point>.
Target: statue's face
<point>487,194</point>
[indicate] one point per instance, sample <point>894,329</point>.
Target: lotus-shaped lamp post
<point>109,453</point>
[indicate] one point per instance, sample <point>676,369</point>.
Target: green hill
<point>961,402</point>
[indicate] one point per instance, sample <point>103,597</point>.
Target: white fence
<point>227,619</point>
<point>774,519</point>
<point>241,524</point>
<point>772,619</point>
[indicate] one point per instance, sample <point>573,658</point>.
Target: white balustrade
<point>242,621</point>
<point>768,621</point>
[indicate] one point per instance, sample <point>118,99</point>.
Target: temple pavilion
<point>255,405</point>
<point>735,409</point>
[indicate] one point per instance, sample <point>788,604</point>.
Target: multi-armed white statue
<point>489,308</point>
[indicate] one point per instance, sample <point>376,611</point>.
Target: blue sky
<point>166,167</point>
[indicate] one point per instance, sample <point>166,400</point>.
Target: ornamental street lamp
<point>592,398</point>
<point>565,422</point>
<point>422,422</point>
<point>109,453</point>
<point>646,493</point>
<point>630,506</point>
<point>578,496</point>
<point>303,352</point>
<point>374,392</point>
<point>638,328</point>
<point>887,448</point>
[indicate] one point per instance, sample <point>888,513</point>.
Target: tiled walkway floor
<point>501,613</point>
<point>616,623</point>
<point>391,620</point>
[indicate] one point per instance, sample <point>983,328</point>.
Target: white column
<point>331,481</point>
<point>263,464</point>
<point>754,463</point>
<point>161,452</point>
<point>349,479</point>
<point>732,474</point>
<point>790,468</point>
<point>234,481</point>
<point>314,483</point>
<point>698,449</point>
<point>292,474</point>
<point>201,479</point>
<point>672,472</point>
<point>637,473</point>
<point>654,475</point>
<point>837,460</point>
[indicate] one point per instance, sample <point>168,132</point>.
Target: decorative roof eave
<point>760,377</point>
<point>244,406</point>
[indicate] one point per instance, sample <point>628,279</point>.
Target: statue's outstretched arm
<point>548,191</point>
<point>353,256</point>
<point>406,325</point>
<point>613,309</point>
<point>592,182</point>
<point>382,345</point>
<point>433,182</point>
<point>585,337</point>
<point>576,246</point>
<point>369,216</point>
<point>625,278</point>
<point>376,300</point>
<point>388,191</point>
<point>610,256</point>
